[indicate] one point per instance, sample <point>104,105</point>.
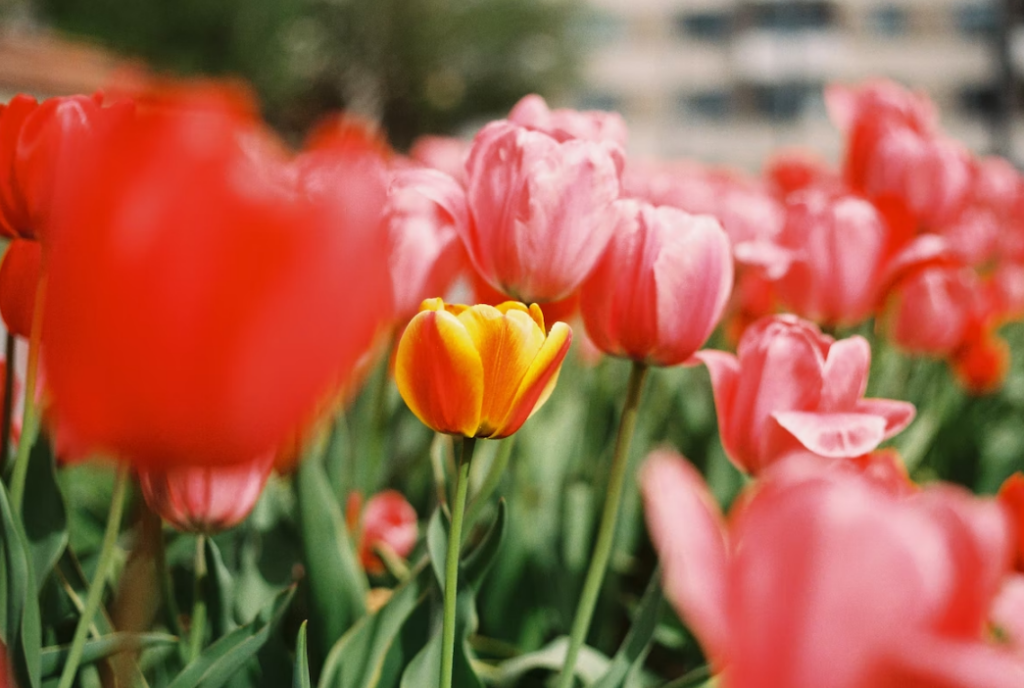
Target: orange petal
<point>539,380</point>
<point>439,373</point>
<point>507,342</point>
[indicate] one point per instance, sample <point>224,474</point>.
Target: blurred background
<point>725,81</point>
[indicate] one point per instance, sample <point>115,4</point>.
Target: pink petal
<point>845,375</point>
<point>834,435</point>
<point>687,530</point>
<point>897,414</point>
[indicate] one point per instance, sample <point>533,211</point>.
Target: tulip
<point>661,287</point>
<point>427,254</point>
<point>442,153</point>
<point>539,209</point>
<point>566,124</point>
<point>931,310</point>
<point>19,280</point>
<point>837,248</point>
<point>202,499</point>
<point>1011,495</point>
<point>478,371</point>
<point>826,580</point>
<point>200,302</point>
<point>387,520</point>
<point>792,388</point>
<point>37,141</point>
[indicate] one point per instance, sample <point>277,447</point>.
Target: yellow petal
<point>507,343</point>
<point>539,381</point>
<point>439,373</point>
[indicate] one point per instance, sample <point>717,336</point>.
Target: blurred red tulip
<point>824,580</point>
<point>982,363</point>
<point>1011,494</point>
<point>930,311</point>
<point>837,247</point>
<point>20,268</point>
<point>793,388</point>
<point>387,520</point>
<point>206,293</point>
<point>205,499</point>
<point>661,287</point>
<point>37,142</point>
<point>540,209</point>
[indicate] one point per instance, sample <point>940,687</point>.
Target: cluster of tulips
<point>202,307</point>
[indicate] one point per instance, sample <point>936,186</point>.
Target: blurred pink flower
<point>824,580</point>
<point>792,387</point>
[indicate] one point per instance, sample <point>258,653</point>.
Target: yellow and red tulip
<point>478,371</point>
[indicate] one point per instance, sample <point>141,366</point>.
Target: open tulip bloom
<point>203,307</point>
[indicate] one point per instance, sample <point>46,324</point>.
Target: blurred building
<point>730,81</point>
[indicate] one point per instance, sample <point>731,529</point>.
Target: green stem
<point>29,419</point>
<point>95,596</point>
<point>451,566</point>
<point>492,480</point>
<point>8,407</point>
<point>606,532</point>
<point>198,625</point>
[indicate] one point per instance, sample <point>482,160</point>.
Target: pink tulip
<point>387,520</point>
<point>792,388</point>
<point>540,209</point>
<point>426,251</point>
<point>566,124</point>
<point>827,581</point>
<point>661,287</point>
<point>205,499</point>
<point>837,248</point>
<point>442,153</point>
<point>931,310</point>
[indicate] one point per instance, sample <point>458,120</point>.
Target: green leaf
<point>52,658</point>
<point>301,676</point>
<point>476,564</point>
<point>634,649</point>
<point>357,660</point>
<point>437,545</point>
<point>43,514</point>
<point>590,665</point>
<point>337,584</point>
<point>219,662</point>
<point>218,591</point>
<point>21,632</point>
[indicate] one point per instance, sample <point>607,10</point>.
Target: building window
<point>708,105</point>
<point>599,100</point>
<point>705,26</point>
<point>977,18</point>
<point>888,20</point>
<point>785,101</point>
<point>793,16</point>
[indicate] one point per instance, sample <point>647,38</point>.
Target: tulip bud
<point>205,499</point>
<point>387,520</point>
<point>478,371</point>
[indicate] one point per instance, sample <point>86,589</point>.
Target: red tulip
<point>37,141</point>
<point>836,245</point>
<point>1011,494</point>
<point>19,281</point>
<point>426,251</point>
<point>826,581</point>
<point>793,388</point>
<point>205,499</point>
<point>931,310</point>
<point>205,292</point>
<point>387,520</point>
<point>540,209</point>
<point>661,287</point>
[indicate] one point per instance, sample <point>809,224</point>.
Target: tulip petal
<point>538,382</point>
<point>507,344</point>
<point>897,414</point>
<point>440,374</point>
<point>724,369</point>
<point>845,374</point>
<point>834,435</point>
<point>688,533</point>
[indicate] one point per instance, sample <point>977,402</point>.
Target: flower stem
<point>198,624</point>
<point>95,596</point>
<point>30,419</point>
<point>8,406</point>
<point>606,532</point>
<point>451,566</point>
